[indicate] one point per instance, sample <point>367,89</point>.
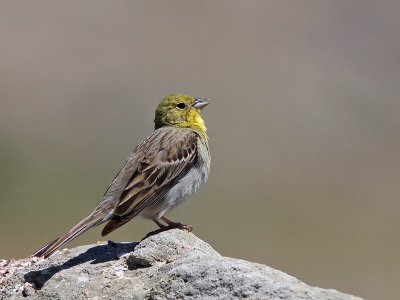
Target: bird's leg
<point>161,225</point>
<point>172,224</point>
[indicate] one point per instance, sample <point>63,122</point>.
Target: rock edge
<point>173,264</point>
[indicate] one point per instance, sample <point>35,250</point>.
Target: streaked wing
<point>166,158</point>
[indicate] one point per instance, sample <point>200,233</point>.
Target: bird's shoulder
<point>170,141</point>
<point>165,148</point>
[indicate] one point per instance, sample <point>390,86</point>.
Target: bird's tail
<point>84,225</point>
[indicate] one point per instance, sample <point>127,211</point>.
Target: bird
<point>163,171</point>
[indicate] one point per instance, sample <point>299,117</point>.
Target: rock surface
<point>173,264</point>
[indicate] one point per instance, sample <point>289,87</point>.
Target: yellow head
<point>181,111</point>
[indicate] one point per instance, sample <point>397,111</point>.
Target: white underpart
<point>184,189</point>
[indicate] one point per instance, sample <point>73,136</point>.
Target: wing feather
<point>158,170</point>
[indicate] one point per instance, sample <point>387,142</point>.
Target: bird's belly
<point>180,192</point>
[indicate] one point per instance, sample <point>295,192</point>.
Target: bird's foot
<point>170,225</point>
<point>188,228</point>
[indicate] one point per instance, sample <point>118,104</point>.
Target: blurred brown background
<point>304,125</point>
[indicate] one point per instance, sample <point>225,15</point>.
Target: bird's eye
<point>181,105</point>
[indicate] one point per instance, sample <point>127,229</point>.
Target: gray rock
<point>173,264</point>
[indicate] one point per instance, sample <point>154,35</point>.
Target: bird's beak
<point>200,103</point>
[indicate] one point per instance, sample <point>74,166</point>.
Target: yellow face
<point>181,111</point>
